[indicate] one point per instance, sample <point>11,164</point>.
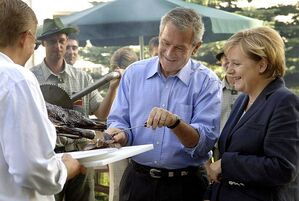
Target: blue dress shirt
<point>194,94</point>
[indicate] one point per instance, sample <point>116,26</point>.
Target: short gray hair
<point>184,18</point>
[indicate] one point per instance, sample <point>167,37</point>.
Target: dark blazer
<point>260,151</point>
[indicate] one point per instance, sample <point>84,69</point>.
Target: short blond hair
<point>259,43</point>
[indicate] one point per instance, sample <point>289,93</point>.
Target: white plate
<point>119,154</point>
<point>96,153</point>
<point>101,157</point>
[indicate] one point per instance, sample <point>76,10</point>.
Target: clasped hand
<point>214,171</point>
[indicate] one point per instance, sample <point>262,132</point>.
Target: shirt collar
<point>7,58</point>
<point>48,72</point>
<point>184,74</point>
<point>154,69</point>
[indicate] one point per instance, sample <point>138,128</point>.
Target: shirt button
<point>163,105</point>
<point>158,142</point>
<point>155,162</point>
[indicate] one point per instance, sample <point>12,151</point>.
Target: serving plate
<point>119,154</point>
<point>101,157</point>
<point>90,154</point>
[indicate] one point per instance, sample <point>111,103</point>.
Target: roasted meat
<point>71,118</point>
<point>72,124</point>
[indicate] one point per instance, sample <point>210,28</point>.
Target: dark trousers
<point>139,186</point>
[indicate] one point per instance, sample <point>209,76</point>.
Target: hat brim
<point>219,55</point>
<point>67,31</point>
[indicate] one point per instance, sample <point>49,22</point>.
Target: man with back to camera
<point>180,100</point>
<point>29,169</point>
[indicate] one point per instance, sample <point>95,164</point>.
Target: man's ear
<point>22,39</point>
<point>196,47</point>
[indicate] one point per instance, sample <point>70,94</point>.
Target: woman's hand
<point>208,169</point>
<point>215,171</point>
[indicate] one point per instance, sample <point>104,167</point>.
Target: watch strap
<point>177,122</point>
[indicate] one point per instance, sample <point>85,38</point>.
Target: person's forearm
<point>186,134</point>
<point>105,106</point>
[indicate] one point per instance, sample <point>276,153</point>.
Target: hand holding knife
<point>108,136</point>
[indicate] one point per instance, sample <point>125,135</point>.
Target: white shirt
<point>29,169</point>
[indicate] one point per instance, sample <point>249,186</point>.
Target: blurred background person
<point>229,95</point>
<point>29,169</point>
<point>72,49</point>
<point>258,145</point>
<point>120,60</point>
<point>153,46</point>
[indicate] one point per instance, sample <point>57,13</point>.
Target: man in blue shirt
<point>179,99</point>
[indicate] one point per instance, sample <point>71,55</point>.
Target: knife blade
<point>108,136</point>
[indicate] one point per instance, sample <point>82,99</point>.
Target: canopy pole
<point>141,44</point>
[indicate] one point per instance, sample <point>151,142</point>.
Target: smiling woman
<point>259,143</point>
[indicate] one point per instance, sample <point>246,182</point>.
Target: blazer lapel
<point>259,102</point>
<point>236,120</point>
<point>232,121</point>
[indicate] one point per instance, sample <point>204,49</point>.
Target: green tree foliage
<point>289,30</point>
<point>95,54</point>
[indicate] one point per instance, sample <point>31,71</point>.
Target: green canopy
<point>132,22</point>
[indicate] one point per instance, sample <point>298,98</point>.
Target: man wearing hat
<point>229,95</point>
<point>55,70</point>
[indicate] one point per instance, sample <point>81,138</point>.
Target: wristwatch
<point>177,122</point>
